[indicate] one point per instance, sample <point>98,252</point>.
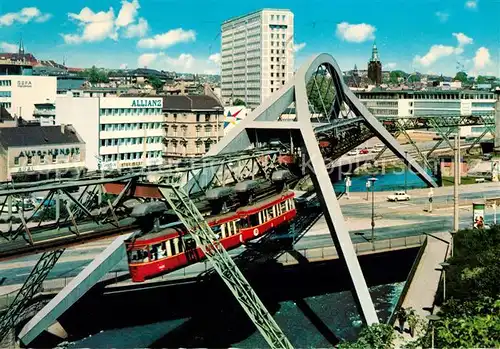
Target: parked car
<point>399,196</point>
<point>352,153</point>
<point>364,151</point>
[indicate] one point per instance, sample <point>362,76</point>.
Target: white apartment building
<point>257,55</point>
<point>20,93</point>
<point>431,103</point>
<point>119,132</point>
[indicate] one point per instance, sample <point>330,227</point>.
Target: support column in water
<point>497,124</point>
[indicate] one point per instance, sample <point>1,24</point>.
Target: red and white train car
<point>158,253</point>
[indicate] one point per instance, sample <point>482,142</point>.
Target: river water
<point>335,315</point>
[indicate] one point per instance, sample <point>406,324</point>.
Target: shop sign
<point>24,84</point>
<point>146,103</point>
<point>478,215</point>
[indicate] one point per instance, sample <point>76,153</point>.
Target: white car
<point>399,196</point>
<point>352,153</point>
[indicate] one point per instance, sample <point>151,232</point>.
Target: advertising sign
<point>478,215</point>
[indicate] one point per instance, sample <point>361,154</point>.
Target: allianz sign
<point>146,103</point>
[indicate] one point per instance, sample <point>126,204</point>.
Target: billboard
<point>478,216</point>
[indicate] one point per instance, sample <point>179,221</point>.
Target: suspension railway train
<point>158,253</point>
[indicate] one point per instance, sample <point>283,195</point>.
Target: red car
<point>364,151</point>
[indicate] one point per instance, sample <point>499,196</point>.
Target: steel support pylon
<point>206,239</point>
<point>29,289</point>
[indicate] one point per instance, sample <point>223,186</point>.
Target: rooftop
<point>38,135</point>
<point>190,103</point>
<point>5,115</point>
<point>254,12</point>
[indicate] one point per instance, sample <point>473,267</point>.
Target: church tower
<point>375,67</point>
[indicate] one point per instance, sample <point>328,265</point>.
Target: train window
<point>217,230</point>
<point>174,243</point>
<point>278,209</point>
<point>269,213</point>
<point>189,242</point>
<point>235,229</point>
<point>292,204</point>
<point>223,230</point>
<point>261,218</point>
<point>274,211</point>
<point>286,205</point>
<point>228,226</point>
<point>283,206</point>
<point>168,247</point>
<point>242,223</point>
<point>180,245</point>
<point>254,220</point>
<point>138,256</point>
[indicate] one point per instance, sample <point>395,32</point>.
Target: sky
<point>428,36</point>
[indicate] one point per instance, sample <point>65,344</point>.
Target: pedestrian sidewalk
<point>422,290</point>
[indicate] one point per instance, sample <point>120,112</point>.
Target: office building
<point>192,125</point>
<point>257,55</point>
<point>430,103</point>
<point>20,93</point>
<point>119,132</point>
<point>29,153</point>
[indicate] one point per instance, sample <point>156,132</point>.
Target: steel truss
<point>444,126</point>
<point>70,211</point>
<point>206,239</point>
<point>30,288</point>
<point>338,107</point>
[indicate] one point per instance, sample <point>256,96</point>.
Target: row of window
<point>131,111</point>
<point>5,94</point>
<point>431,96</point>
<point>44,159</point>
<point>6,105</point>
<point>131,156</point>
<point>278,17</point>
<point>174,246</point>
<point>130,141</point>
<point>131,126</point>
<point>5,82</point>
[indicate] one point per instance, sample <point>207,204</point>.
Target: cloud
<point>355,32</point>
<point>137,30</point>
<point>8,48</point>
<point>482,58</point>
<point>216,58</point>
<point>123,66</point>
<point>184,63</point>
<point>147,59</point>
<point>98,26</point>
<point>168,39</point>
<point>127,13</point>
<point>24,16</point>
<point>442,16</point>
<point>95,26</point>
<point>471,4</point>
<point>436,52</point>
<point>298,47</point>
<point>390,65</point>
<point>462,41</point>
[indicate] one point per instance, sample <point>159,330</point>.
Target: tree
<point>461,76</point>
<point>238,102</point>
<point>376,336</point>
<point>95,75</point>
<point>481,79</point>
<point>156,83</point>
<point>395,75</point>
<point>321,94</point>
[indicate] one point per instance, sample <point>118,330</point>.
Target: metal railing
<point>329,252</point>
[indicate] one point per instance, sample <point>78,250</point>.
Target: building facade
<point>45,114</point>
<point>20,93</point>
<point>257,55</point>
<point>192,125</point>
<point>430,103</point>
<point>119,132</point>
<point>34,152</point>
<point>375,67</point>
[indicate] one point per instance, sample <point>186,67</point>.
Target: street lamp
<point>431,319</point>
<point>444,265</point>
<point>406,173</point>
<point>372,181</point>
